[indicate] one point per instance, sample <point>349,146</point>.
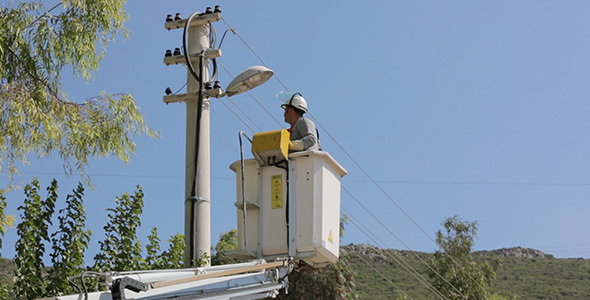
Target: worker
<point>304,135</point>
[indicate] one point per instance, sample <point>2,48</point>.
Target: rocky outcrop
<point>519,252</point>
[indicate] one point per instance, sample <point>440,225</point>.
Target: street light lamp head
<point>249,79</point>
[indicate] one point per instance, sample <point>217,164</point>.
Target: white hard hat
<point>295,100</point>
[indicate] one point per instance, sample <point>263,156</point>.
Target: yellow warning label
<point>330,238</point>
<point>277,191</point>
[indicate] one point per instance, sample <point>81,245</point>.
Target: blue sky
<point>453,108</point>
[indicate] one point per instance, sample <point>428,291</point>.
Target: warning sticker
<point>330,238</point>
<point>277,191</point>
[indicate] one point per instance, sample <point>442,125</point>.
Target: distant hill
<point>525,273</point>
<point>7,268</point>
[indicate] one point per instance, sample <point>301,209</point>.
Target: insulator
<point>217,9</point>
<point>208,10</point>
<point>176,51</point>
<point>217,85</point>
<point>168,53</point>
<point>178,16</point>
<point>169,18</point>
<point>168,91</point>
<point>208,85</point>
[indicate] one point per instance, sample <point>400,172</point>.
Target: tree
<point>36,116</point>
<point>153,259</point>
<point>228,242</point>
<point>454,273</point>
<point>68,243</point>
<point>30,247</point>
<point>121,250</point>
<point>5,220</point>
<point>332,282</point>
<point>173,258</point>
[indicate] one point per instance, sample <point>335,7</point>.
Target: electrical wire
<point>340,146</point>
<point>383,276</point>
<point>402,242</point>
<point>253,97</point>
<point>235,114</point>
<point>223,36</point>
<point>235,32</point>
<point>225,141</point>
<point>284,87</point>
<point>187,59</point>
<point>243,189</point>
<point>84,290</point>
<point>245,114</point>
<point>348,154</point>
<point>399,259</point>
<point>389,197</point>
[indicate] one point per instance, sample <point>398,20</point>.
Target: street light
<point>247,80</point>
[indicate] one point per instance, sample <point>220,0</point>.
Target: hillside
<point>526,273</point>
<point>6,270</point>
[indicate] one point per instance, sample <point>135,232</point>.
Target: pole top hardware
<point>179,59</point>
<point>212,93</point>
<point>198,20</point>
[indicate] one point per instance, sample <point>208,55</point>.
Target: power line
<point>235,32</point>
<point>253,97</point>
<point>399,260</point>
<point>390,198</point>
<point>475,183</point>
<point>346,152</point>
<point>403,243</point>
<point>383,276</point>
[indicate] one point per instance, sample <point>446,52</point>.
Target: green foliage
<point>228,242</point>
<point>4,291</point>
<point>69,243</point>
<point>332,282</point>
<point>454,273</point>
<point>544,278</point>
<point>153,260</point>
<point>36,116</point>
<point>203,260</point>
<point>33,233</point>
<point>5,220</point>
<point>121,250</point>
<point>173,258</point>
<point>517,277</point>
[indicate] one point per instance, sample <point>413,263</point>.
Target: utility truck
<point>288,204</point>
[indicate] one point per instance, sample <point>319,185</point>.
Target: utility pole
<point>197,192</point>
<point>197,227</point>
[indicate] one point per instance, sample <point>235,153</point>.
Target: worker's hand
<point>296,145</point>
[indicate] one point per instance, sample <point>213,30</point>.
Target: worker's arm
<point>305,136</point>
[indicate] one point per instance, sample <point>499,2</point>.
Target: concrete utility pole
<point>197,227</point>
<point>197,192</point>
<point>197,53</point>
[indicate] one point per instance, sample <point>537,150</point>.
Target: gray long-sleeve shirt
<point>305,130</point>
